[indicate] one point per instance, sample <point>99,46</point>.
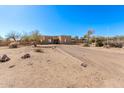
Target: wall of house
<point>46,39</point>
<point>65,39</point>
<point>50,39</point>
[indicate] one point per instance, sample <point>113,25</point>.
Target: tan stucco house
<point>56,39</point>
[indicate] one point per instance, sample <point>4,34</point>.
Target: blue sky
<point>62,20</point>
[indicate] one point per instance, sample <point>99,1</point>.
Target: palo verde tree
<point>35,36</point>
<point>88,35</point>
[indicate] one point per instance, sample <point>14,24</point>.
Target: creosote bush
<point>116,45</point>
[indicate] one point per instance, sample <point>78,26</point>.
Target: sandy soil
<point>61,67</point>
<point>53,68</point>
<point>108,62</point>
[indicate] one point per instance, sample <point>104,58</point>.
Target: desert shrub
<point>34,36</point>
<point>92,40</point>
<point>116,45</point>
<point>34,43</point>
<point>106,46</point>
<point>39,50</point>
<point>99,43</point>
<point>86,45</point>
<point>13,45</point>
<point>119,45</point>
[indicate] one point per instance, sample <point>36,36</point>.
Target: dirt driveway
<point>108,62</point>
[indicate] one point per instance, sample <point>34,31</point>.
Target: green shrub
<point>99,43</point>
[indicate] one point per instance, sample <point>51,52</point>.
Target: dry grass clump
<point>39,50</point>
